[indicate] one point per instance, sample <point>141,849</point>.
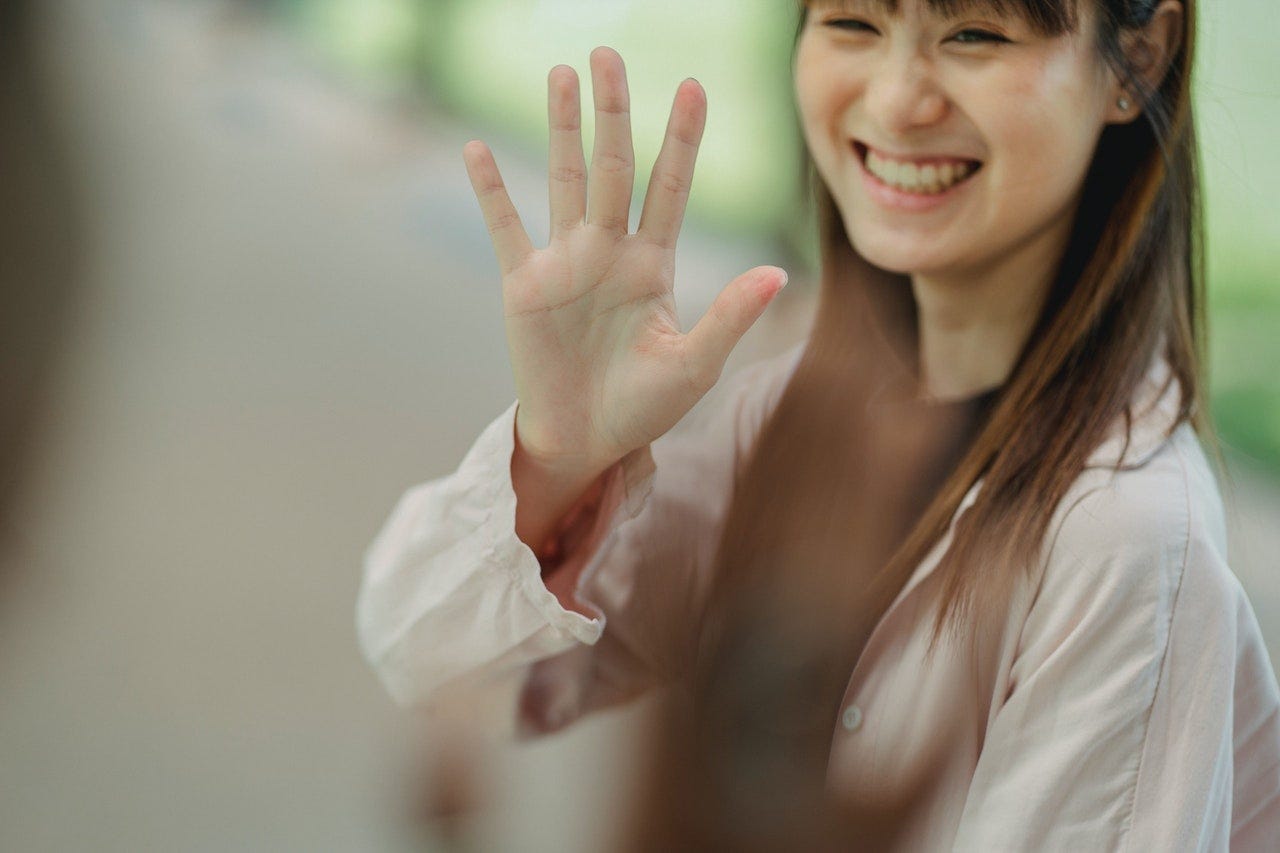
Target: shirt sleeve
<point>453,613</point>
<point>1117,731</point>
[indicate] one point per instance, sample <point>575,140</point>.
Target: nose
<point>903,93</point>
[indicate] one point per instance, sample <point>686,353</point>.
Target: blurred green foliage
<point>1244,367</point>
<point>377,40</point>
<point>1238,119</point>
<point>487,60</point>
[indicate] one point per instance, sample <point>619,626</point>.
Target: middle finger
<point>612,157</point>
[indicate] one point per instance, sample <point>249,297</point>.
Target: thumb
<point>734,311</point>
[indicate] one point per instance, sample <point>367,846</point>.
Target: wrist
<point>576,462</point>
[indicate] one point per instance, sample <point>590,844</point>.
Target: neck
<point>973,324</point>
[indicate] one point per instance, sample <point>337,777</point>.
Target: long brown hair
<point>1129,283</point>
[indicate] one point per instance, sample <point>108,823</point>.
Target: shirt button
<point>851,718</point>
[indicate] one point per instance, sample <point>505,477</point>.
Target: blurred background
<point>278,309</point>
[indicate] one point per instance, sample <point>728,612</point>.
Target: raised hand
<point>601,365</point>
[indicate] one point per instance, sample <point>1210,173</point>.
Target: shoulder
<point>1134,534</point>
<point>1107,509</point>
<point>1146,506</point>
<point>1130,555</point>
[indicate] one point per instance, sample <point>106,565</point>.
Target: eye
<point>851,24</point>
<point>981,36</point>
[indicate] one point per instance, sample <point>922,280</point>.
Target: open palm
<point>601,365</point>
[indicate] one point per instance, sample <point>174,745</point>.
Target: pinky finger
<point>510,241</point>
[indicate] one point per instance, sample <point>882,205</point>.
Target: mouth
<point>925,176</point>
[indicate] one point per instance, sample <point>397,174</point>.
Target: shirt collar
<point>1154,405</point>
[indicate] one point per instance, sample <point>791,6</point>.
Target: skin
<point>1031,109</point>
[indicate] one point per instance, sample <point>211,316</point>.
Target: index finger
<point>672,178</point>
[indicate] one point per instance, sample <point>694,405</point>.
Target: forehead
<point>948,8</point>
<point>1046,17</point>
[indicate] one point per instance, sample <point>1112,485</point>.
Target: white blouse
<point>1128,703</point>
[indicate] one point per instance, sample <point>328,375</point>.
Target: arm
<point>455,610</point>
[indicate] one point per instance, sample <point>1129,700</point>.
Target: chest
<point>912,724</point>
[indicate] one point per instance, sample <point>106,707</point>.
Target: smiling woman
<point>971,508</point>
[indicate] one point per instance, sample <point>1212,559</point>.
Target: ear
<point>1148,50</point>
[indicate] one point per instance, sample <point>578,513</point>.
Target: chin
<point>891,255</point>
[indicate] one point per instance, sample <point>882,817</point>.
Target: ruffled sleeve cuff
<point>450,591</point>
<point>619,495</point>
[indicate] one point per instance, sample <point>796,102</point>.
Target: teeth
<point>927,179</point>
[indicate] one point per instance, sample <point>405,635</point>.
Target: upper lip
<point>920,158</point>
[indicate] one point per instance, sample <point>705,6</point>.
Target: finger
<point>668,194</point>
<point>568,167</point>
<point>612,157</point>
<point>510,242</point>
<point>734,311</point>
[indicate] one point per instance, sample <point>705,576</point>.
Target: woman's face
<point>941,94</point>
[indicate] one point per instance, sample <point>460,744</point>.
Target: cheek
<point>1043,122</point>
<point>1062,115</point>
<point>820,96</point>
<point>809,91</point>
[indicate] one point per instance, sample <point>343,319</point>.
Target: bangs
<point>1046,17</point>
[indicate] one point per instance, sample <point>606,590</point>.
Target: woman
<point>1008,212</point>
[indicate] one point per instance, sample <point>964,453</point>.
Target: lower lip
<point>897,199</point>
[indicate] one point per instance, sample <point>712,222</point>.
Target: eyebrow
<point>891,8</point>
<point>887,6</point>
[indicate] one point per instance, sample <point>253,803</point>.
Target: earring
<point>1123,103</point>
